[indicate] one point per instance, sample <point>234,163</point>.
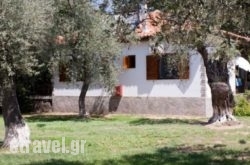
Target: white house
<point>146,86</point>
<point>139,94</point>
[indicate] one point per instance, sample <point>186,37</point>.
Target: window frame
<point>158,74</point>
<point>129,62</point>
<point>63,72</point>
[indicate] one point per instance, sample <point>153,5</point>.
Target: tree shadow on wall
<point>98,108</point>
<point>114,102</point>
<point>103,105</point>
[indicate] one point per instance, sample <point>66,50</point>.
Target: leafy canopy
<point>89,44</point>
<point>206,18</point>
<point>23,25</point>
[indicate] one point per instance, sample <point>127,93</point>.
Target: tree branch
<point>237,36</point>
<point>70,3</point>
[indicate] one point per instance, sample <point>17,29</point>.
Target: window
<point>69,73</point>
<point>129,62</point>
<point>64,73</point>
<point>167,66</point>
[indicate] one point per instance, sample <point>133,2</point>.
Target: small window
<point>69,73</point>
<point>167,67</point>
<point>129,62</point>
<point>152,63</point>
<point>64,73</point>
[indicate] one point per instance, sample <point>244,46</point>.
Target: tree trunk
<point>221,103</point>
<point>222,95</point>
<point>17,133</point>
<point>81,101</point>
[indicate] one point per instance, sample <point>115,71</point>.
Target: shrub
<point>242,107</point>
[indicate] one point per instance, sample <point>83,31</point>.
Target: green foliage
<point>24,91</point>
<point>242,107</point>
<point>90,47</point>
<point>23,27</point>
<point>39,85</point>
<point>206,19</point>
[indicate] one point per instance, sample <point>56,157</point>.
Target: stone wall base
<point>136,105</point>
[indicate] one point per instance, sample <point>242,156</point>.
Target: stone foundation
<point>136,105</point>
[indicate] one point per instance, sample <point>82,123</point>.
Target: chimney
<point>143,16</point>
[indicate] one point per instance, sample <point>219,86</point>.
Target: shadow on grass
<point>185,156</point>
<point>50,118</point>
<point>145,121</point>
<point>40,125</point>
<point>140,121</point>
<point>56,162</point>
<point>181,155</point>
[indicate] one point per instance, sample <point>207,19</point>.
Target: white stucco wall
<point>73,89</point>
<point>135,84</point>
<point>232,76</point>
<point>134,81</point>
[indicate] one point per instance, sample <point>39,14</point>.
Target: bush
<point>242,107</point>
<point>24,91</point>
<point>39,85</point>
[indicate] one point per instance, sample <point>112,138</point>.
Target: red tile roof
<point>154,21</point>
<point>151,25</point>
<point>59,40</point>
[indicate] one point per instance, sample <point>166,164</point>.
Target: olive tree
<point>23,25</point>
<point>199,24</point>
<point>87,44</point>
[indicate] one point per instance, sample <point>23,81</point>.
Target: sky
<point>98,2</point>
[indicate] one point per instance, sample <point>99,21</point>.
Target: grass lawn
<point>134,140</point>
